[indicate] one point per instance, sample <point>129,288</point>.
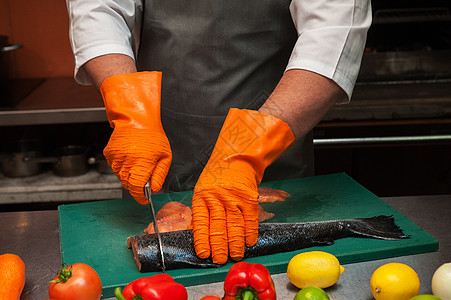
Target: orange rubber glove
<point>225,206</point>
<point>138,149</point>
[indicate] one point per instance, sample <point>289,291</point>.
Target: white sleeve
<point>331,38</point>
<point>99,27</point>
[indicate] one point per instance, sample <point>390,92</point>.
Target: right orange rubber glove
<point>138,149</point>
<point>225,205</point>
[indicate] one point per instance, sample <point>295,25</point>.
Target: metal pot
<point>71,161</point>
<point>101,164</point>
<point>22,158</point>
<point>15,162</point>
<point>5,48</point>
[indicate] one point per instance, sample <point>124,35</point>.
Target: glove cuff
<point>255,137</point>
<point>133,99</point>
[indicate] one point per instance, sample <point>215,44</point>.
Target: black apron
<point>215,55</point>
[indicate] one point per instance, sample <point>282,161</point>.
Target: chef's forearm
<point>301,99</point>
<point>104,66</point>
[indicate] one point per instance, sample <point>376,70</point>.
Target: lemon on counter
<point>311,293</point>
<point>394,281</point>
<point>441,282</point>
<point>314,268</point>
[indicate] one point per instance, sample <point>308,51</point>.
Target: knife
<point>148,192</point>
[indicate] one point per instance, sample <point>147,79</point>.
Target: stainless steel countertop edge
<point>34,236</point>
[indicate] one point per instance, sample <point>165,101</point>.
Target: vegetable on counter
<point>78,281</point>
<point>246,281</point>
<point>12,276</point>
<point>156,287</point>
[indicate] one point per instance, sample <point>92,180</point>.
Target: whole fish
<point>272,238</point>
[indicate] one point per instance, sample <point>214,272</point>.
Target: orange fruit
<point>12,276</point>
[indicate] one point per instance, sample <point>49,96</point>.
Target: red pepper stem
<point>247,293</point>
<point>118,294</point>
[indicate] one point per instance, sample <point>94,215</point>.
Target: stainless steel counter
<point>34,237</point>
<point>46,187</point>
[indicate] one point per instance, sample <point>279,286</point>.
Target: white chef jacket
<point>331,35</point>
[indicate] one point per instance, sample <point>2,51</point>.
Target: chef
<point>216,96</point>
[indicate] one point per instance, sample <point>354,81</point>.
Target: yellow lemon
<point>394,281</point>
<point>314,268</point>
<point>441,280</point>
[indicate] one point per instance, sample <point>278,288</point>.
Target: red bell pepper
<point>247,281</point>
<point>157,287</point>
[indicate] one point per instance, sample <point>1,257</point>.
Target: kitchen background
<point>394,137</point>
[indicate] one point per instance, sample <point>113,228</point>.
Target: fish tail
<point>379,227</point>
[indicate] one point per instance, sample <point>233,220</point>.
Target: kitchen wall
<point>42,28</point>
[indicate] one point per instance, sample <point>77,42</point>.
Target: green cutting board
<point>96,233</point>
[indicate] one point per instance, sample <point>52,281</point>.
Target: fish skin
<point>273,238</point>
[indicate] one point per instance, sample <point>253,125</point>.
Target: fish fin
<point>379,227</point>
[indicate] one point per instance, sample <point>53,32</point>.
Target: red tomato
<point>76,282</point>
<point>211,298</point>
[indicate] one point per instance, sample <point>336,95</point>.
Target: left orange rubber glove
<point>138,149</point>
<point>224,205</point>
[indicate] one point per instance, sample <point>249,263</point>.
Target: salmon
<point>266,195</point>
<point>263,215</point>
<point>171,217</point>
<point>177,216</point>
<point>173,207</point>
<point>170,223</point>
<point>273,238</point>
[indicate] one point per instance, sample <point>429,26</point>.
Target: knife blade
<point>148,193</point>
